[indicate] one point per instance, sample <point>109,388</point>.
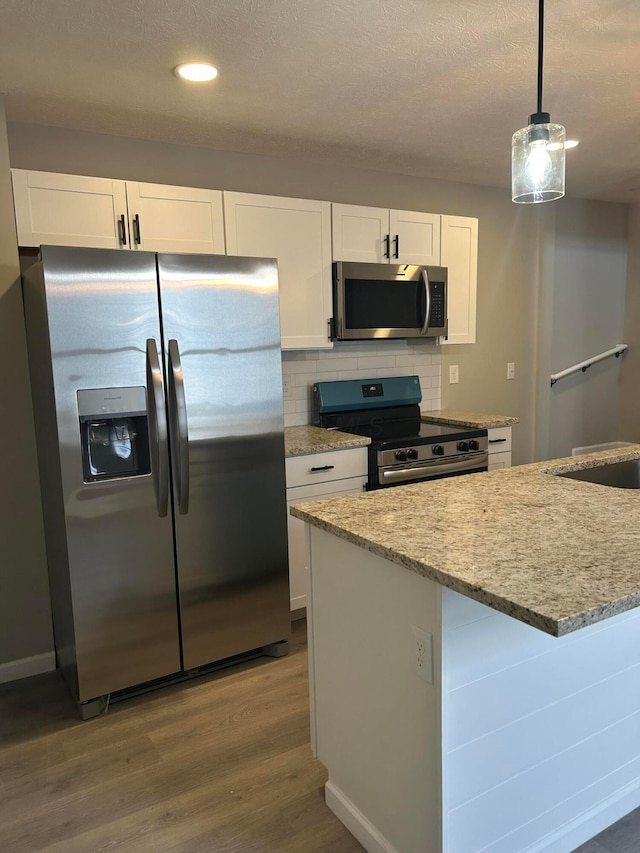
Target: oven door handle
<point>434,469</point>
<point>427,302</point>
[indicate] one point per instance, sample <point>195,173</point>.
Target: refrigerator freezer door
<point>102,308</point>
<point>222,350</point>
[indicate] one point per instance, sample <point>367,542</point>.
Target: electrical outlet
<point>422,654</point>
<point>286,388</point>
<point>511,370</point>
<point>454,375</point>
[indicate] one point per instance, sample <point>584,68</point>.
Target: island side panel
<point>541,734</point>
<point>378,724</point>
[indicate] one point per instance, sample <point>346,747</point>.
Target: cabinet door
<point>69,210</point>
<point>298,233</point>
<point>459,253</point>
<point>175,219</point>
<point>415,237</point>
<point>296,531</point>
<point>360,233</point>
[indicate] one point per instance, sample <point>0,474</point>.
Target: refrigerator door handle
<point>157,429</point>
<point>179,427</point>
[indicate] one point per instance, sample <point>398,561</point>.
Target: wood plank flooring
<point>220,764</point>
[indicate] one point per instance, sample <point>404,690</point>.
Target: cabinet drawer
<point>500,440</point>
<point>325,467</point>
<point>499,460</point>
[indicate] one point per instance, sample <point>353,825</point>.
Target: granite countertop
<point>472,420</point>
<point>555,553</point>
<point>300,440</point>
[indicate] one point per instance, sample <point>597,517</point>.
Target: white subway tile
<point>375,361</point>
<point>292,367</point>
<point>326,376</point>
<point>387,347</point>
<point>311,355</point>
<point>304,379</point>
<point>346,364</point>
<point>300,392</point>
<point>289,406</point>
<point>381,372</point>
<point>297,419</point>
<point>355,374</point>
<point>302,405</point>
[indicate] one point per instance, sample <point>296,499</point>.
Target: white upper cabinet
<point>459,253</point>
<point>69,210</point>
<point>378,235</point>
<point>360,233</point>
<point>298,233</point>
<point>175,219</point>
<point>73,210</point>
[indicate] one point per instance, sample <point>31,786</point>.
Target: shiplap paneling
<point>553,741</point>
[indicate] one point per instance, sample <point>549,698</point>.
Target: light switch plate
<point>511,370</point>
<point>454,375</point>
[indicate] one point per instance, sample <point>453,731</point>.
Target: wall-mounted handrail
<point>617,350</point>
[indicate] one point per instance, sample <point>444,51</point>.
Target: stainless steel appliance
<point>158,401</point>
<point>403,449</point>
<point>388,301</point>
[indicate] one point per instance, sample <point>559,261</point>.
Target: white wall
<point>630,378</point>
<point>25,619</point>
<point>587,317</point>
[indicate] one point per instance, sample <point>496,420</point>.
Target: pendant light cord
<point>540,49</point>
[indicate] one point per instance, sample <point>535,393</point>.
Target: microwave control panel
<point>437,318</point>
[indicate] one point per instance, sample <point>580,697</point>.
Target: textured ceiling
<point>431,88</point>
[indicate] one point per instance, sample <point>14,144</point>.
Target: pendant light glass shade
<point>537,162</point>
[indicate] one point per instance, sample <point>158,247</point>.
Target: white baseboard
<point>298,602</point>
<point>357,824</point>
<point>15,669</point>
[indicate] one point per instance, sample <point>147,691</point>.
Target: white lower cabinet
<point>336,473</point>
<point>499,448</point>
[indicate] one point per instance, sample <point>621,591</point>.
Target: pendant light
<point>537,151</point>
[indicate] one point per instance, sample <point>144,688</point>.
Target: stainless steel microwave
<point>388,301</point>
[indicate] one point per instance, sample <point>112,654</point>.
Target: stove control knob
<point>473,445</point>
<point>412,454</point>
<point>401,456</point>
<point>438,450</point>
<point>463,446</point>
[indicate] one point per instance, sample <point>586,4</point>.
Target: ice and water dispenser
<point>114,433</point>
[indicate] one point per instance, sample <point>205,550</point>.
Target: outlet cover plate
<point>422,654</point>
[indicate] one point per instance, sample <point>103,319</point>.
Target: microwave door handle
<point>427,298</point>
<point>156,414</point>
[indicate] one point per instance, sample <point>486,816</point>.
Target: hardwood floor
<point>220,764</point>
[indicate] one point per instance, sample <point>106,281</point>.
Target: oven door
<point>399,475</point>
<point>389,301</point>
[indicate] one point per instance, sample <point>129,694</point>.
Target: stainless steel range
<point>403,449</point>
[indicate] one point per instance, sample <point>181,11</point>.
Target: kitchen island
<point>475,659</point>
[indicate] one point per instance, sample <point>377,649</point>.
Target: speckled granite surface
<point>300,440</point>
<point>556,553</point>
<point>473,420</point>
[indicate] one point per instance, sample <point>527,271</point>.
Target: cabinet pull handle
<point>323,468</point>
<point>122,229</point>
<point>387,245</point>
<point>136,229</point>
<point>396,240</point>
<point>496,440</point>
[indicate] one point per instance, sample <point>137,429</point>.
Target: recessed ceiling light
<point>196,72</point>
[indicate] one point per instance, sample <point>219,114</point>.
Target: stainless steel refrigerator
<point>157,395</point>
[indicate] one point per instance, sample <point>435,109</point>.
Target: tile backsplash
<point>358,360</point>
